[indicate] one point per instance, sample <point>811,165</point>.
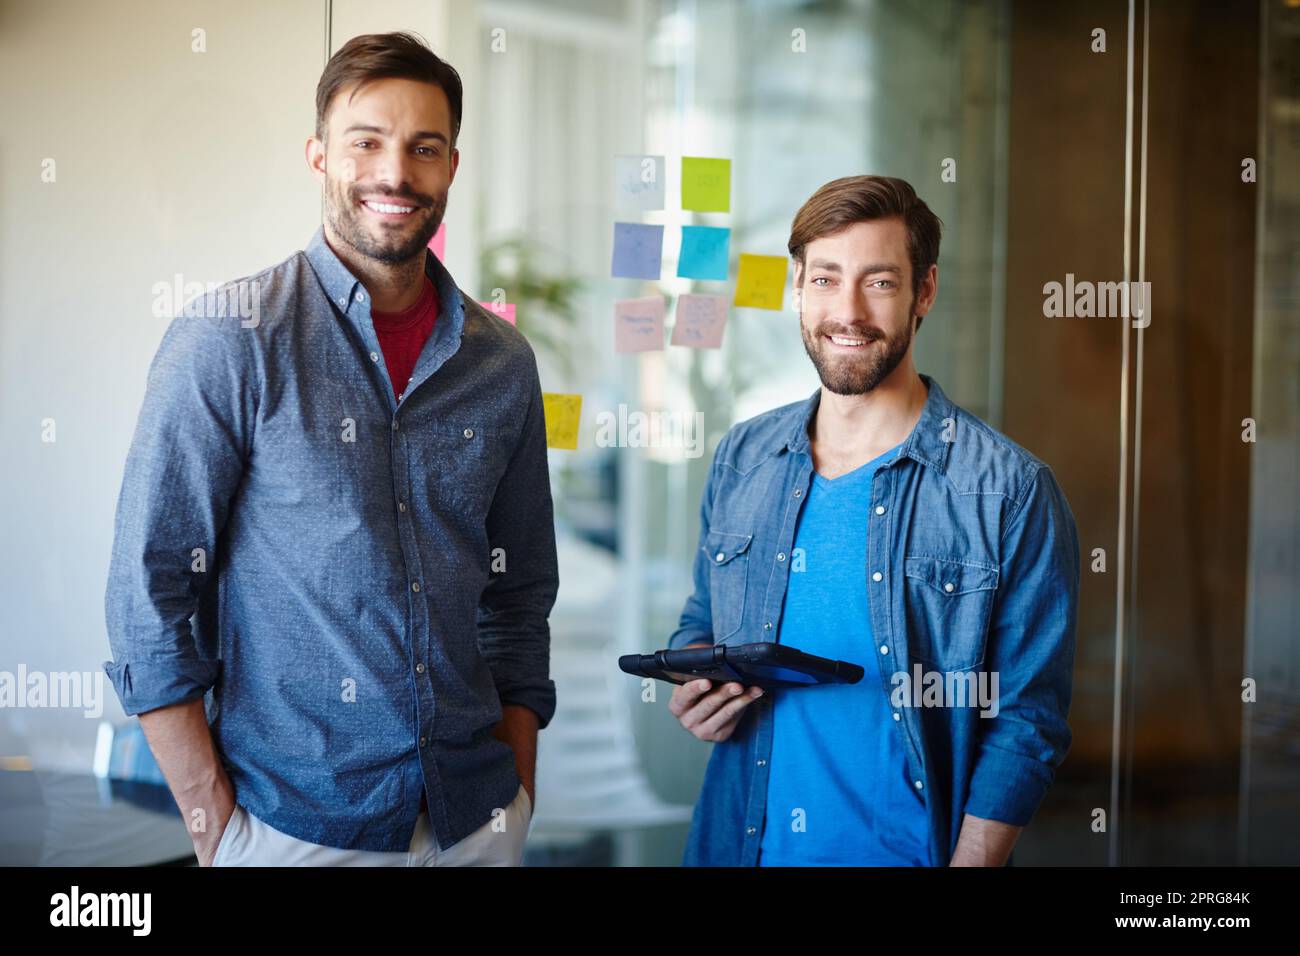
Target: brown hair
<point>842,202</point>
<point>375,56</point>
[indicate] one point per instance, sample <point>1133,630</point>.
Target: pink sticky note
<point>439,242</point>
<point>700,321</point>
<point>504,309</point>
<point>639,324</point>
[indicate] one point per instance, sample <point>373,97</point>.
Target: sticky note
<point>706,184</point>
<point>505,310</point>
<point>638,251</point>
<point>562,413</point>
<point>439,242</point>
<point>704,253</point>
<point>760,281</point>
<point>638,182</point>
<point>639,324</point>
<point>700,321</point>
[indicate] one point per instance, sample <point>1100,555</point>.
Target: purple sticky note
<point>638,251</point>
<point>439,242</point>
<point>504,309</point>
<point>700,321</point>
<point>639,324</point>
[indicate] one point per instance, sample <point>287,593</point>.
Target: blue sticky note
<point>638,251</point>
<point>704,253</point>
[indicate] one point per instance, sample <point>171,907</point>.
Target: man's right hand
<point>206,843</point>
<point>711,714</point>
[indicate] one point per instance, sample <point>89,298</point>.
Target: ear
<point>928,293</point>
<point>455,164</point>
<point>315,156</point>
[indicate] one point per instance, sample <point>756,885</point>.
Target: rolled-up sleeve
<point>185,464</point>
<point>1031,646</point>
<point>513,630</point>
<point>696,623</point>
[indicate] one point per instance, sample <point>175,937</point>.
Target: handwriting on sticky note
<point>638,251</point>
<point>639,182</point>
<point>704,253</point>
<point>639,324</point>
<point>562,412</point>
<point>700,321</point>
<point>760,281</point>
<point>505,310</point>
<point>706,184</point>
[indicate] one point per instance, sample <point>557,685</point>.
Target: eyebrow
<point>873,267</point>
<point>420,134</point>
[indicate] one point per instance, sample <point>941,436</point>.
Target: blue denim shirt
<point>973,566</point>
<point>370,580</point>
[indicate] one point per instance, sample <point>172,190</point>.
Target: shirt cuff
<point>540,701</point>
<point>147,685</point>
<point>1007,786</point>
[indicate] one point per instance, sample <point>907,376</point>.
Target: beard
<point>845,373</point>
<point>392,242</point>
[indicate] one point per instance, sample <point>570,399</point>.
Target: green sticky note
<point>706,184</point>
<point>760,281</point>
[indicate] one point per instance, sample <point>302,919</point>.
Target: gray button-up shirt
<point>369,580</point>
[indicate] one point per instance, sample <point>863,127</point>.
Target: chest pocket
<point>948,606</point>
<point>728,555</point>
<point>460,472</point>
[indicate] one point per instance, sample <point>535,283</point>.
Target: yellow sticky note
<point>706,184</point>
<point>562,414</point>
<point>760,282</point>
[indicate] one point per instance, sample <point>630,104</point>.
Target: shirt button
<point>394,424</point>
<point>361,297</point>
<point>762,763</point>
<point>719,557</point>
<point>919,785</point>
<point>374,356</point>
<point>750,830</point>
<point>415,585</point>
<point>798,492</point>
<point>767,626</point>
<point>880,509</point>
<point>424,741</point>
<point>884,648</point>
<point>343,300</point>
<point>897,717</point>
<point>875,577</point>
<point>469,433</point>
<point>780,556</point>
<point>419,668</point>
<point>401,506</point>
<point>948,587</point>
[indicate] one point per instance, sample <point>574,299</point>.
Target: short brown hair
<point>842,202</point>
<point>375,56</point>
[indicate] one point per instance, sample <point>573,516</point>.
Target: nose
<point>391,168</point>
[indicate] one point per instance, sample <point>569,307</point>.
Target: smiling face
<point>387,164</point>
<point>856,304</point>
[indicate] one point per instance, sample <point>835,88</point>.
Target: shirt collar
<point>343,287</point>
<point>925,444</point>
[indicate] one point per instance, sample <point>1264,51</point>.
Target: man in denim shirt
<point>878,522</point>
<point>339,471</point>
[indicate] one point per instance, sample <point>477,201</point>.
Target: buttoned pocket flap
<point>724,546</point>
<point>951,577</point>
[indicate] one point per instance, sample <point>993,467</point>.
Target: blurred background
<point>1164,148</point>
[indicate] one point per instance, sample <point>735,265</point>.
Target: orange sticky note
<point>563,412</point>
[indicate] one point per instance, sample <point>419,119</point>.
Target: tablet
<point>753,665</point>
